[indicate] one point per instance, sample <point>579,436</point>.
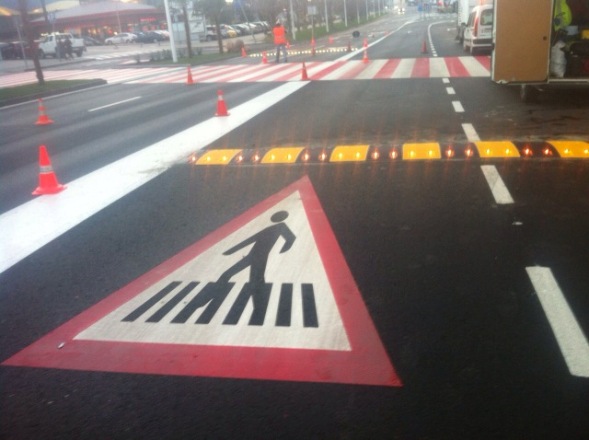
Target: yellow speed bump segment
<point>217,157</point>
<point>427,150</point>
<point>349,153</point>
<point>282,155</point>
<point>572,149</point>
<point>497,149</point>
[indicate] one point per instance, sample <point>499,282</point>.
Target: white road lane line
<point>498,188</point>
<point>450,91</point>
<point>471,133</point>
<point>32,225</point>
<point>569,335</point>
<point>457,107</point>
<point>114,103</point>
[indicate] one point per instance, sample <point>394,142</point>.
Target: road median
<point>28,92</point>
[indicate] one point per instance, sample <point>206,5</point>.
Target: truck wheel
<point>41,53</point>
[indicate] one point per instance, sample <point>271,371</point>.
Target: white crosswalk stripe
<point>465,66</point>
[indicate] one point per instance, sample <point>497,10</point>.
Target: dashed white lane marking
<point>569,335</point>
<point>450,91</point>
<point>471,133</point>
<point>114,103</point>
<point>457,107</point>
<point>498,188</point>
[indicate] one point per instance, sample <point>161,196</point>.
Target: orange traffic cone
<point>189,79</point>
<point>287,45</point>
<point>365,42</point>
<point>43,118</point>
<point>330,40</point>
<point>304,76</point>
<point>221,106</point>
<point>264,58</point>
<point>424,46</point>
<point>365,57</point>
<point>48,183</point>
<point>243,53</point>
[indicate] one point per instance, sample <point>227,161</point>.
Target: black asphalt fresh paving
<point>440,265</point>
<point>441,269</point>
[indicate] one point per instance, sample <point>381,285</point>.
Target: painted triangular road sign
<point>266,296</point>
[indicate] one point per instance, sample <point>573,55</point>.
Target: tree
<point>186,27</point>
<point>212,9</point>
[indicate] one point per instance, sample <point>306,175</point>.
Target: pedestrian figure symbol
<point>263,242</point>
<point>213,294</point>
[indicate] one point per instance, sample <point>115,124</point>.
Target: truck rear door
<point>521,41</point>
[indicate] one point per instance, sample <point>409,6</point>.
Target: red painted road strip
<point>388,69</point>
<point>421,68</point>
<point>485,61</point>
<point>455,67</point>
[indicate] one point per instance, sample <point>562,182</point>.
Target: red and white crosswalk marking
<point>449,67</point>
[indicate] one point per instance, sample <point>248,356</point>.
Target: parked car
<point>149,37</point>
<point>250,28</point>
<point>211,33</point>
<point>263,26</point>
<point>89,41</point>
<point>163,33</point>
<point>7,51</point>
<point>241,29</point>
<point>227,31</point>
<point>123,37</point>
<point>478,33</point>
<point>19,46</point>
<point>49,44</point>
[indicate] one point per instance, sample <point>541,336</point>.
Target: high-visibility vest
<point>562,15</point>
<point>279,34</point>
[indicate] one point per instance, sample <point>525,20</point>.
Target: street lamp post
<point>326,18</point>
<point>292,24</point>
<point>171,31</point>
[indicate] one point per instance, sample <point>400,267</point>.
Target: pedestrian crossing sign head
<point>270,293</point>
<point>279,216</point>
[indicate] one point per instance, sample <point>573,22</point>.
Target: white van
<point>478,33</point>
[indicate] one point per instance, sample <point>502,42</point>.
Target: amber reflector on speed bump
<point>497,149</point>
<point>421,151</point>
<point>572,149</point>
<point>282,155</point>
<point>349,153</point>
<point>217,157</point>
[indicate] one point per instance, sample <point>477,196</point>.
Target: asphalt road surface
<point>399,298</point>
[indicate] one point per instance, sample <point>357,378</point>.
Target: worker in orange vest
<point>280,40</point>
